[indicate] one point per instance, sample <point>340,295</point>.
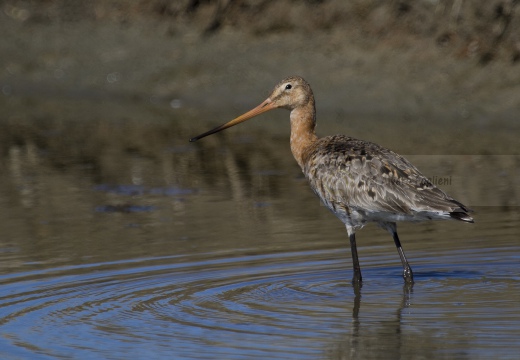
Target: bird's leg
<point>391,227</point>
<point>356,278</point>
<point>407,270</point>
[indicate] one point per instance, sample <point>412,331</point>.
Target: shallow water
<point>121,240</point>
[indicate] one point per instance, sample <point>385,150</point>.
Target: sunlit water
<point>295,304</point>
<point>130,243</point>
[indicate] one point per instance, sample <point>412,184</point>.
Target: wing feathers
<point>364,175</point>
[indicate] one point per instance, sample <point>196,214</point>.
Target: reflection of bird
<point>357,180</point>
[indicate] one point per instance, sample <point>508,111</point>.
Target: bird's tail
<point>462,216</point>
<point>461,213</point>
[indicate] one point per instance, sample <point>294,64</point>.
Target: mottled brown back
<point>348,172</point>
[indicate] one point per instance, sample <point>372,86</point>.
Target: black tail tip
<point>462,216</point>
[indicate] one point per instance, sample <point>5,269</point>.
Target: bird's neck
<point>303,122</point>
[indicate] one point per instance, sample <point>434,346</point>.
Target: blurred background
<point>99,98</point>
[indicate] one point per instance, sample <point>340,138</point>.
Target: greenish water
<point>122,240</point>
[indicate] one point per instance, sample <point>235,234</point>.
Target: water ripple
<point>297,305</point>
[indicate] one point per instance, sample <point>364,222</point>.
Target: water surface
<point>121,240</point>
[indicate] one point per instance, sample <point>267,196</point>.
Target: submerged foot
<point>408,275</point>
<point>356,278</point>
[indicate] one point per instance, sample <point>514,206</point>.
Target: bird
<point>357,180</point>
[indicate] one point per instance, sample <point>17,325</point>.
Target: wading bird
<point>357,180</point>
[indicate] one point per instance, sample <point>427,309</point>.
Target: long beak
<point>262,108</point>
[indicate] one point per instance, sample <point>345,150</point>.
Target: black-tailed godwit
<point>357,180</point>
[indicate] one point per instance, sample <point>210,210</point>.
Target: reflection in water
<point>298,304</point>
<point>119,239</point>
<point>390,340</point>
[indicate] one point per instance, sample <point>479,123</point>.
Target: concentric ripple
<point>203,302</point>
<point>297,305</point>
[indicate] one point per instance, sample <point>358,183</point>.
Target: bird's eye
<point>288,87</point>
